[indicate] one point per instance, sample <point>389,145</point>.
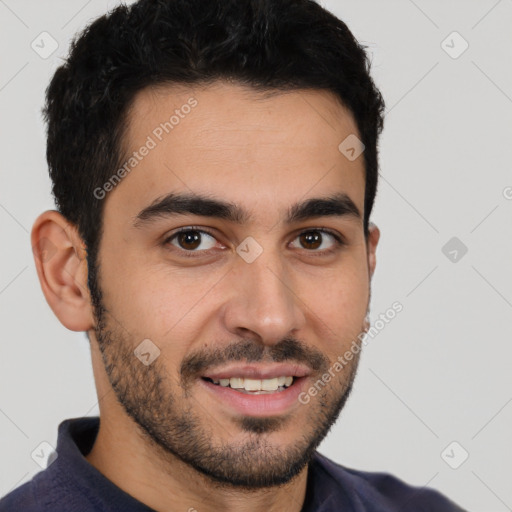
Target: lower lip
<point>258,405</point>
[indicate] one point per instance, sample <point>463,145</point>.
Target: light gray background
<point>441,370</point>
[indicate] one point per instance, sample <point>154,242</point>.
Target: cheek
<point>167,305</point>
<point>341,305</point>
<point>339,301</point>
<point>143,302</point>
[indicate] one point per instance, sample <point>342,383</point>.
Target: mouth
<point>257,392</point>
<point>255,386</point>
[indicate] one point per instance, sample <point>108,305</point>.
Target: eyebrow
<point>173,204</point>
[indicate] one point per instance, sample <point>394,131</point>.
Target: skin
<point>263,153</point>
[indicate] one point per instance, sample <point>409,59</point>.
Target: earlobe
<point>371,245</point>
<point>61,264</point>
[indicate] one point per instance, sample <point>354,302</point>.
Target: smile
<point>254,386</point>
<point>251,398</point>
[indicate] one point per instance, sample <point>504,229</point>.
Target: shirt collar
<point>76,437</point>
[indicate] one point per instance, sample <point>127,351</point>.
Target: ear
<point>371,247</point>
<point>61,264</point>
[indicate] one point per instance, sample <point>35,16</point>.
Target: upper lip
<point>252,371</point>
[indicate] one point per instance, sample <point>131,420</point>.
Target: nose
<point>264,301</point>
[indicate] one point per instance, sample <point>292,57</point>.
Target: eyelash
<point>339,240</point>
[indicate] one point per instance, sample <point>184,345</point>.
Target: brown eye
<point>192,239</point>
<point>311,240</point>
<point>319,241</point>
<point>189,239</point>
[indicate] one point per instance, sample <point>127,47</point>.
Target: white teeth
<point>269,384</point>
<point>236,383</point>
<point>252,384</point>
<point>255,384</point>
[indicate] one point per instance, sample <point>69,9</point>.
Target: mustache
<point>245,350</point>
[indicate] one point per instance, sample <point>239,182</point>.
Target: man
<point>214,165</point>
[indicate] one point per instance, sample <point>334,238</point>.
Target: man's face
<point>252,299</point>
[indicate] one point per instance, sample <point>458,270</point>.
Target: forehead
<point>231,141</point>
<point>286,117</point>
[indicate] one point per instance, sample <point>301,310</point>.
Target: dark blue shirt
<point>71,484</point>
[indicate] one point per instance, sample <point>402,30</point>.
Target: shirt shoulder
<point>380,491</point>
<point>69,483</point>
<point>50,491</point>
<point>21,498</point>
